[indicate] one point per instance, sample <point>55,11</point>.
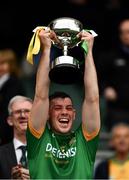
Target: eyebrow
<point>59,105</point>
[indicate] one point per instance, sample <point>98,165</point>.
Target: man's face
<point>124,33</point>
<point>61,115</point>
<point>19,116</point>
<point>4,66</point>
<point>120,139</point>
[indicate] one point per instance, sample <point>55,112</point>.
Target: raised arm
<point>90,109</point>
<point>40,108</point>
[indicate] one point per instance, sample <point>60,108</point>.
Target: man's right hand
<point>18,172</point>
<point>46,38</point>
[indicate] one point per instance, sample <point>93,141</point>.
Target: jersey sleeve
<point>90,146</point>
<point>33,142</point>
<point>36,133</point>
<point>89,136</point>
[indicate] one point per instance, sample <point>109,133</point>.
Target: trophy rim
<point>66,29</point>
<point>65,17</point>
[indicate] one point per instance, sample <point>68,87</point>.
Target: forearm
<point>39,113</point>
<point>90,79</point>
<point>42,78</point>
<point>90,109</point>
<point>40,107</point>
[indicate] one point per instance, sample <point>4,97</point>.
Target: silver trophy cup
<point>65,68</point>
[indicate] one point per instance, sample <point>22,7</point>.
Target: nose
<point>22,113</point>
<point>64,111</point>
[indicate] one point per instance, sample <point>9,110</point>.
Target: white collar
<point>17,143</point>
<point>3,79</point>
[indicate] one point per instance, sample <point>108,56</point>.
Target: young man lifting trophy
<point>55,151</point>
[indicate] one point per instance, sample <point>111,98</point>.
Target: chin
<point>64,130</point>
<point>23,128</point>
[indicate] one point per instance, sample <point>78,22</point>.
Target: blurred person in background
<point>10,85</point>
<point>28,77</point>
<point>11,159</point>
<point>116,167</point>
<point>113,72</point>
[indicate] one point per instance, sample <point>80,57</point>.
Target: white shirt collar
<point>17,143</point>
<point>3,79</point>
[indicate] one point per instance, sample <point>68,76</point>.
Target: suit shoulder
<point>103,163</point>
<point>6,146</point>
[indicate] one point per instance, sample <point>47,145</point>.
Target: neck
<point>122,156</point>
<point>21,137</point>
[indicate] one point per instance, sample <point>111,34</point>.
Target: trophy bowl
<point>65,69</point>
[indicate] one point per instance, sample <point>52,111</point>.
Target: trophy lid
<point>66,23</point>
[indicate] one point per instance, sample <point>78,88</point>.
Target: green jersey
<point>55,156</point>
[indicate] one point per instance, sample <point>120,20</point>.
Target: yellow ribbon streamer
<point>34,45</point>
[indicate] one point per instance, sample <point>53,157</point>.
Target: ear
<point>9,121</point>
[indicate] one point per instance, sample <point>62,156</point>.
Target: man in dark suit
<point>10,85</point>
<point>11,154</point>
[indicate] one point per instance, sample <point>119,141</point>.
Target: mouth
<point>23,122</point>
<point>64,120</point>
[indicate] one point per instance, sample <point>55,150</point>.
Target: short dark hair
<point>59,94</point>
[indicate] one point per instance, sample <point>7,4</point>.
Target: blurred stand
<point>113,76</point>
<point>28,77</point>
<point>10,85</point>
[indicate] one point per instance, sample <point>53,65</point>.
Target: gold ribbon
<point>34,45</point>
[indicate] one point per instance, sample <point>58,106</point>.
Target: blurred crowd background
<point>109,19</point>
